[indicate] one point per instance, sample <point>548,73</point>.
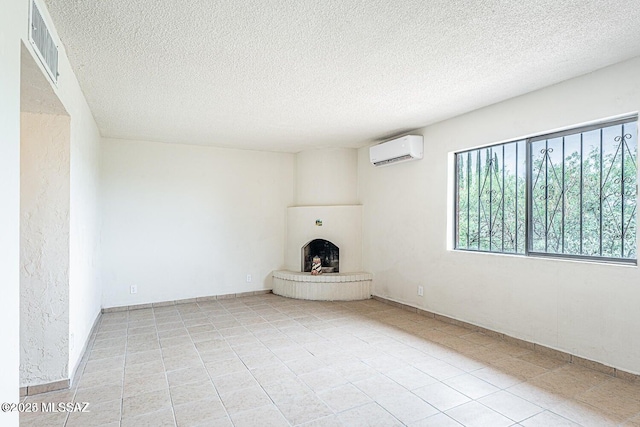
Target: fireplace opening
<point>328,252</point>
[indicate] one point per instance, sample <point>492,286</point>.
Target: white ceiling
<point>299,74</point>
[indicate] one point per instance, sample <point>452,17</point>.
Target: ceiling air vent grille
<point>43,43</point>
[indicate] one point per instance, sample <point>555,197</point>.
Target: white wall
<point>10,27</point>
<point>588,309</point>
<point>84,281</point>
<point>84,285</point>
<point>44,248</point>
<point>327,177</point>
<point>183,221</point>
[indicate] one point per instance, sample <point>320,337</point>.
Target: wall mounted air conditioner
<point>405,148</point>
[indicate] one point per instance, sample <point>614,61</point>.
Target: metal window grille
<point>568,194</point>
<point>491,201</point>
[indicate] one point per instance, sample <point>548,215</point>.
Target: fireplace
<point>325,216</point>
<point>328,253</point>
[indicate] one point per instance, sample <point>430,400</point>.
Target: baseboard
<point>568,357</point>
<point>184,301</point>
<point>85,349</point>
<point>31,390</point>
<point>65,383</point>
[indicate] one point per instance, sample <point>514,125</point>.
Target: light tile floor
<point>272,361</point>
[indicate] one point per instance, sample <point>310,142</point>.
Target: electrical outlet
<point>248,278</point>
<point>420,291</point>
<point>133,289</point>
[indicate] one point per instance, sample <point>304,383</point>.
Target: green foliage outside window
<point>573,194</point>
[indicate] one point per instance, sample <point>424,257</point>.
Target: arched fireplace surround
<point>328,253</point>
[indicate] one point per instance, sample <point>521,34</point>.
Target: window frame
<point>528,215</point>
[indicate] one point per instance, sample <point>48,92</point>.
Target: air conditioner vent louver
<point>44,44</point>
<point>395,159</point>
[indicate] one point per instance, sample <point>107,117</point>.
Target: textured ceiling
<point>292,75</point>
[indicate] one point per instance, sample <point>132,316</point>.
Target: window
<point>568,194</point>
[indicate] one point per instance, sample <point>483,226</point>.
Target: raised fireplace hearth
<point>325,287</point>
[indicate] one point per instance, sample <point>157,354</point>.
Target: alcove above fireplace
<point>328,253</point>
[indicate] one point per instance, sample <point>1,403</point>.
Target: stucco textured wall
<point>44,252</point>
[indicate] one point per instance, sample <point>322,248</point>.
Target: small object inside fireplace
<point>316,266</point>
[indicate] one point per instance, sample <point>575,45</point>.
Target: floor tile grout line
<point>255,379</point>
<point>373,400</point>
<point>83,364</point>
<point>124,372</point>
<point>293,373</point>
<point>205,369</point>
<point>164,367</point>
<point>370,316</point>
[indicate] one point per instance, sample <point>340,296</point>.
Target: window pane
<point>484,198</point>
<point>497,199</point>
<point>474,206</point>
<point>539,196</point>
<point>487,190</point>
<point>521,185</point>
<point>582,201</point>
<point>584,193</point>
<point>510,198</point>
<point>591,193</point>
<point>463,201</point>
<point>555,196</point>
<point>573,195</point>
<point>611,192</point>
<point>630,188</point>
